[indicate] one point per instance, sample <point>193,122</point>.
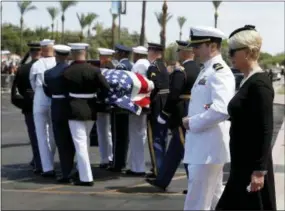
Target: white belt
<point>58,96</point>
<point>82,95</point>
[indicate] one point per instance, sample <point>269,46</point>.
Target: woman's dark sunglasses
<point>233,51</point>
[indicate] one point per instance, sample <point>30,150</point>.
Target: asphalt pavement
<point>22,190</point>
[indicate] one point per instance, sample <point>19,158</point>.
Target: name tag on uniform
<point>202,81</point>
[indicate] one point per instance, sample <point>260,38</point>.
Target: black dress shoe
<point>136,174</point>
<point>153,183</point>
<point>150,175</point>
<point>75,175</point>
<point>32,163</point>
<point>80,183</point>
<point>48,174</point>
<point>112,169</point>
<point>63,180</point>
<point>185,192</point>
<point>37,171</point>
<point>104,165</point>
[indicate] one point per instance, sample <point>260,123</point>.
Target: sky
<point>268,17</point>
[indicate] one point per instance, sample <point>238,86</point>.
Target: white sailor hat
<point>46,42</point>
<point>140,50</point>
<point>5,52</point>
<point>105,51</point>
<point>203,34</point>
<point>62,49</point>
<point>78,46</point>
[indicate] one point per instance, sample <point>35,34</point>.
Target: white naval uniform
<point>207,141</point>
<point>104,137</point>
<point>137,129</point>
<point>41,111</point>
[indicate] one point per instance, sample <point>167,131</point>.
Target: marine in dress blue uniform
<point>53,88</point>
<point>120,118</point>
<point>157,133</point>
<point>22,97</point>
<point>176,107</point>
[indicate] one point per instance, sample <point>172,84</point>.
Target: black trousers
<point>65,146</point>
<point>93,136</point>
<point>120,136</point>
<point>29,120</point>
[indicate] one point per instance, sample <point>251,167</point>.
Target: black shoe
<point>112,169</point>
<point>80,183</point>
<point>64,180</point>
<point>48,174</point>
<point>136,174</point>
<point>154,184</point>
<point>37,171</point>
<point>75,175</point>
<point>150,175</point>
<point>185,192</point>
<point>32,163</point>
<point>104,165</point>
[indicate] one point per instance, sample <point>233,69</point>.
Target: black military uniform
<point>53,88</point>
<point>82,82</point>
<point>120,119</point>
<point>23,99</point>
<point>157,133</point>
<point>176,107</point>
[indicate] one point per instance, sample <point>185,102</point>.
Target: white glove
<point>160,120</point>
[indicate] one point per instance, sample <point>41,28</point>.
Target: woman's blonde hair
<point>250,39</point>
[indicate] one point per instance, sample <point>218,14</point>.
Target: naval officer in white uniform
<point>137,124</point>
<point>41,108</point>
<point>207,137</point>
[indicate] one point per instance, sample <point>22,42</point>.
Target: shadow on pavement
<point>3,146</point>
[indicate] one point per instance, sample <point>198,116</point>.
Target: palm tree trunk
<point>142,36</point>
<point>62,28</point>
<point>21,36</point>
<point>52,30</point>
<point>163,32</point>
<point>216,19</point>
<point>180,34</point>
<point>113,31</point>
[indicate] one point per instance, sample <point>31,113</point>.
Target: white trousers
<point>104,137</point>
<point>44,132</point>
<point>205,186</point>
<point>80,133</point>
<point>137,137</point>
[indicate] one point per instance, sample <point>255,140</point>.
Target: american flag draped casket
<point>130,91</point>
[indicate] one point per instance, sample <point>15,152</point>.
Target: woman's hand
<point>185,121</point>
<point>257,181</point>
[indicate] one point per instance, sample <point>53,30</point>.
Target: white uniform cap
<point>201,34</point>
<point>62,48</point>
<point>105,51</point>
<point>140,50</point>
<point>5,52</point>
<point>46,42</point>
<point>78,46</point>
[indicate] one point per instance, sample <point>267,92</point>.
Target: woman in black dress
<point>251,182</point>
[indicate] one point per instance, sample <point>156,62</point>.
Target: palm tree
<point>181,21</point>
<point>216,5</point>
<point>114,17</point>
<point>142,35</point>
<point>83,23</point>
<point>90,17</point>
<point>24,7</point>
<point>64,5</point>
<point>53,12</point>
<point>159,17</point>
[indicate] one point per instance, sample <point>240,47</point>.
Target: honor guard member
<point>82,82</point>
<point>54,88</point>
<point>157,133</point>
<point>103,116</point>
<point>22,97</point>
<point>137,124</point>
<point>181,81</point>
<point>93,134</point>
<point>207,137</point>
<point>120,117</point>
<point>41,107</point>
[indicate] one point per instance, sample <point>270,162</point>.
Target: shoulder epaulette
<point>218,66</point>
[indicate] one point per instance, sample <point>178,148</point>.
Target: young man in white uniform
<point>207,136</point>
<point>41,108</point>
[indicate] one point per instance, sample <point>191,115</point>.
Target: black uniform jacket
<point>83,78</point>
<point>21,93</point>
<point>157,72</point>
<point>181,82</point>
